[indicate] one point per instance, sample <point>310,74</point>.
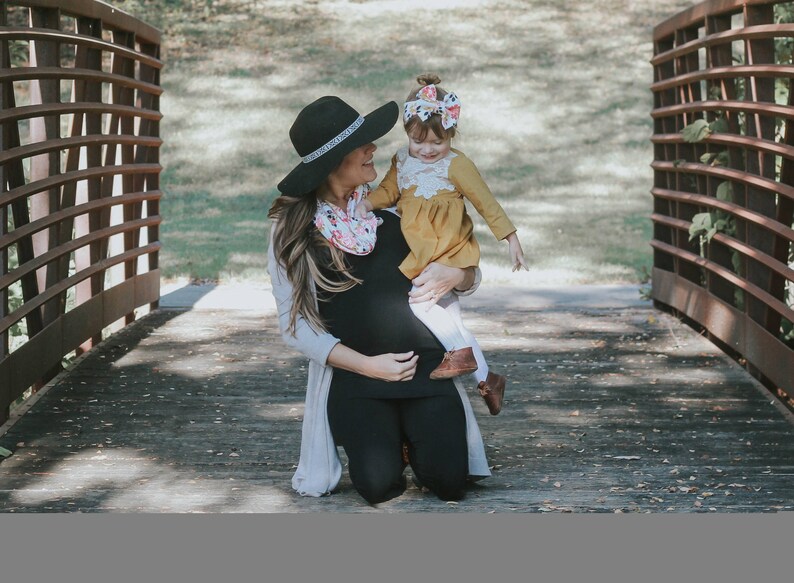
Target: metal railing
<point>79,168</point>
<point>724,177</point>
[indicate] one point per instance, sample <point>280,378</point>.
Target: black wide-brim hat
<point>326,131</point>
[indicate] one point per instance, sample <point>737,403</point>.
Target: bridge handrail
<point>723,168</point>
<point>79,171</point>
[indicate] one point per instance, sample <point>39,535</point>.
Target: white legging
<point>444,320</point>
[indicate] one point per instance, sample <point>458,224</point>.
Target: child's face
<point>428,150</point>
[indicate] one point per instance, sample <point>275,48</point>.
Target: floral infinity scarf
<point>343,229</point>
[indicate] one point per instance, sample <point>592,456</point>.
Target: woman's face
<point>357,167</point>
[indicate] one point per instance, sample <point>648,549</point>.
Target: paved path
<point>611,406</point>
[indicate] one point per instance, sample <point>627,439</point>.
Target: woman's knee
<point>376,487</point>
<point>447,483</point>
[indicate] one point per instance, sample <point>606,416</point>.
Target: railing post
<point>663,179</point>
<point>760,89</point>
<point>15,178</point>
<point>5,395</point>
<point>687,93</point>
<point>148,154</point>
<point>120,154</point>
<point>87,157</point>
<point>45,54</point>
<point>721,55</point>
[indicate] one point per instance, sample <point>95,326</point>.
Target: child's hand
<point>516,253</point>
<point>362,209</point>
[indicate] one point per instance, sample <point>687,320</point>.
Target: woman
<point>341,302</point>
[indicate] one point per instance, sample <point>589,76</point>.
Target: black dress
<point>372,419</point>
<point>375,318</point>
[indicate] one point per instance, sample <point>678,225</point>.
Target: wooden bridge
<point>611,406</point>
<point>193,404</point>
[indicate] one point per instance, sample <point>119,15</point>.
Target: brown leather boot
<point>455,363</point>
<point>492,390</point>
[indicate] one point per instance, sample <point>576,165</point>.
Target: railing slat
<point>29,111</point>
<point>81,40</point>
<point>77,142</point>
<point>57,73</point>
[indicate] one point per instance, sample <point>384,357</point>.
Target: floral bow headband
<point>427,104</point>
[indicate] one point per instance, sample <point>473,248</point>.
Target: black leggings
<point>372,432</point>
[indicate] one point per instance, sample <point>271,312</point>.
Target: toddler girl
<point>428,181</point>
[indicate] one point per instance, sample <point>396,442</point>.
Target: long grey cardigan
<point>319,467</point>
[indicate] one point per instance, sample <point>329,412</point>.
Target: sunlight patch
<point>67,479</point>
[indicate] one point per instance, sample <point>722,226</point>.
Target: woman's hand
<point>436,280</point>
<point>386,367</point>
<point>391,366</point>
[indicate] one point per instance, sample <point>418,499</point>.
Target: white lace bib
<point>429,179</point>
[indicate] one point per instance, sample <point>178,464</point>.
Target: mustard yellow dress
<point>430,200</point>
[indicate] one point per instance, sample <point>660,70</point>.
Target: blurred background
<point>555,113</point>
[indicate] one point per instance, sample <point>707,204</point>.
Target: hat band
<point>334,142</point>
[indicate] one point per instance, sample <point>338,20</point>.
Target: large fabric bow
<point>427,104</point>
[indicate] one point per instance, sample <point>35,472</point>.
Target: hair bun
<point>428,79</point>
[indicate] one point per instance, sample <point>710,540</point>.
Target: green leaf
<point>701,223</point>
<point>736,261</point>
<point>738,298</point>
<point>719,125</point>
<point>725,192</point>
<point>702,220</point>
<point>722,159</point>
<point>697,131</point>
<point>706,158</point>
<point>4,452</point>
<point>710,233</point>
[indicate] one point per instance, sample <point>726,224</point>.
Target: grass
<point>555,114</point>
